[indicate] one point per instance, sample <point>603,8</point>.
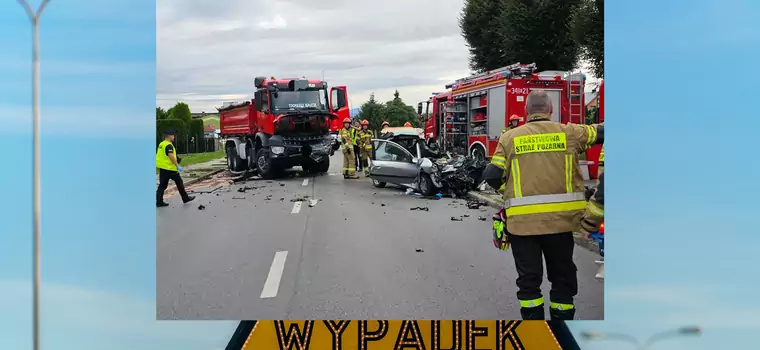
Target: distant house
<point>209,132</point>
<point>198,115</point>
<point>592,99</point>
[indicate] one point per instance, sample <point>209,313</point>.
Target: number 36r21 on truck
<point>286,124</point>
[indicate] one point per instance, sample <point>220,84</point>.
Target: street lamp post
<point>690,330</point>
<point>35,18</point>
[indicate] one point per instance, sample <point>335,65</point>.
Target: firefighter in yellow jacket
<point>348,141</point>
<point>514,121</point>
<point>544,202</point>
<point>365,146</point>
<point>594,216</point>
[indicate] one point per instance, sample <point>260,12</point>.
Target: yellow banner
<point>427,335</point>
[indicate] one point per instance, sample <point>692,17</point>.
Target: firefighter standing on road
<point>365,146</point>
<point>168,166</point>
<point>348,142</point>
<point>594,215</point>
<point>357,160</point>
<point>544,202</point>
<point>514,121</point>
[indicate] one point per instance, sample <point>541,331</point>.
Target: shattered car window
<point>389,152</point>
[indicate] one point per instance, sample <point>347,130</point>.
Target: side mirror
<point>415,160</point>
<point>419,109</point>
<point>342,103</point>
<point>257,97</point>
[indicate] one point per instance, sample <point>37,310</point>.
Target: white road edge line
<point>296,208</point>
<point>272,285</point>
<point>305,182</point>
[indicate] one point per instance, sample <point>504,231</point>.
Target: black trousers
<point>357,157</point>
<point>163,182</point>
<point>557,250</point>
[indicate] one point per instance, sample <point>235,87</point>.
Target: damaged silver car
<point>403,159</point>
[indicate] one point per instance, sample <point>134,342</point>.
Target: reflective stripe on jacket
<point>346,137</point>
<point>544,187</point>
<point>365,139</point>
<point>162,160</point>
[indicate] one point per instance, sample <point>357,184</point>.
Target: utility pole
<point>34,17</point>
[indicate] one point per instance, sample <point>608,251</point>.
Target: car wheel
<point>378,184</point>
<point>425,185</point>
<point>478,153</point>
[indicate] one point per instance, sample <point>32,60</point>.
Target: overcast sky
<point>209,51</point>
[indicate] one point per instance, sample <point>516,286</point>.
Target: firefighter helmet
<point>386,123</point>
<point>365,122</point>
<point>407,125</point>
<point>514,117</point>
<point>346,120</point>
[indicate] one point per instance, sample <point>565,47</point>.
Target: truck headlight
<point>278,149</point>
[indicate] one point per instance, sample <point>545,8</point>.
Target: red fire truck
<point>287,123</point>
<point>469,118</point>
<point>592,155</point>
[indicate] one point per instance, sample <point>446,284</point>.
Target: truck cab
<point>286,124</point>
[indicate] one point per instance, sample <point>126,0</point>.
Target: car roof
<point>404,131</point>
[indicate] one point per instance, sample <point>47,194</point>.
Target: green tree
<point>372,111</point>
<point>501,32</point>
<point>479,22</point>
<point>587,28</point>
<point>181,111</point>
<point>161,113</point>
<point>397,112</point>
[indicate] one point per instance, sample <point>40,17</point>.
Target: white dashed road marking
<point>296,208</point>
<point>272,285</point>
<point>305,182</point>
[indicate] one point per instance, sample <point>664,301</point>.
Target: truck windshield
<point>299,100</point>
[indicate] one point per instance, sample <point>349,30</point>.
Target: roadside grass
<point>196,158</point>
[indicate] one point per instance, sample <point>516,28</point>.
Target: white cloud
<point>276,22</point>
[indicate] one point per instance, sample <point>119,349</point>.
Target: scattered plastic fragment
<point>454,218</point>
<point>418,250</point>
<point>201,207</point>
<point>420,208</point>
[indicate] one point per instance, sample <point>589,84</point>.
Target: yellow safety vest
<point>601,156</point>
<point>343,133</point>
<point>162,160</point>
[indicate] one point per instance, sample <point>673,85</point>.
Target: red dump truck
<point>286,124</point>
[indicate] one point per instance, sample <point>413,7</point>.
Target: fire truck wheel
<point>234,162</point>
<point>250,157</point>
<point>264,164</point>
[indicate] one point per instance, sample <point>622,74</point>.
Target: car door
<point>392,163</point>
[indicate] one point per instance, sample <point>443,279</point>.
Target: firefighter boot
<point>557,314</point>
<point>532,313</point>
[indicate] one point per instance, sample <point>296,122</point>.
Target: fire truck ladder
<point>510,68</point>
<point>576,98</point>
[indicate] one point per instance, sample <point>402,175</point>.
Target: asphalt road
<point>359,253</point>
